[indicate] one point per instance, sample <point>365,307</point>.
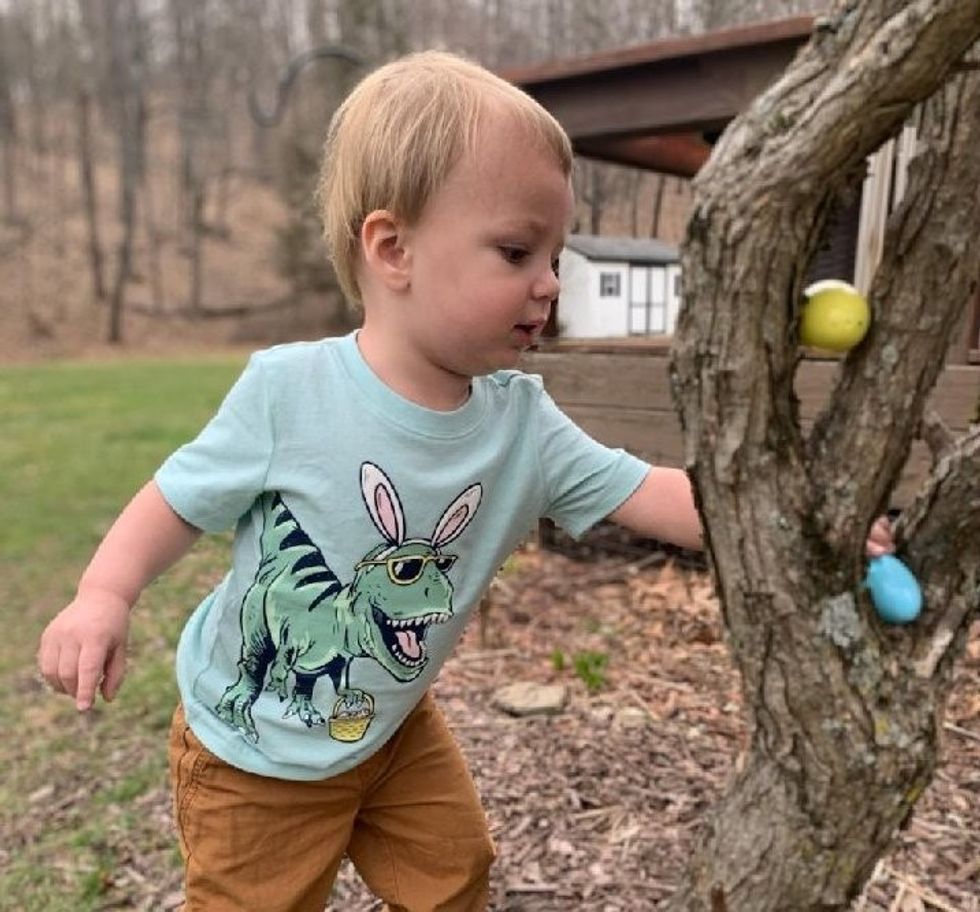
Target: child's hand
<point>85,647</point>
<point>880,539</point>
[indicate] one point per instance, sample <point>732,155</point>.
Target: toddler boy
<point>376,482</point>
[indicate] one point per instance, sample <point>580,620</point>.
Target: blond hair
<point>396,137</point>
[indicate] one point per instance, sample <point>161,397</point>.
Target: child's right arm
<point>85,645</point>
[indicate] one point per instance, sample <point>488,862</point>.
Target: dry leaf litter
<point>598,806</point>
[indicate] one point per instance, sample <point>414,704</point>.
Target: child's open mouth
<point>529,331</point>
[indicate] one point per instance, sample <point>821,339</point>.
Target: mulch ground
<point>599,807</point>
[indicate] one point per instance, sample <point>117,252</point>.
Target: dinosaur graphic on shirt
<point>299,622</point>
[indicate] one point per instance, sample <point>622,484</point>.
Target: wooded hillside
<point>157,156</point>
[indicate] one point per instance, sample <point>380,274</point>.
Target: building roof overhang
<point>657,106</point>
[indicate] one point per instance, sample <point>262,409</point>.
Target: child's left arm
<point>662,507</point>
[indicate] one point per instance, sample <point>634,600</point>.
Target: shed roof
<point>622,249</point>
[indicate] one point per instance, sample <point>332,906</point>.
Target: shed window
<point>608,284</point>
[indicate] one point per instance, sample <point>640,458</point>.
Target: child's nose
<point>547,285</point>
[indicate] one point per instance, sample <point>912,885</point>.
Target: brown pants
<point>409,818</point>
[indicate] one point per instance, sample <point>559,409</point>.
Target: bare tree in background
<point>126,104</point>
<point>845,711</point>
<point>694,16</point>
<point>189,19</point>
<point>8,129</point>
<point>87,181</point>
<point>593,182</point>
<point>658,204</point>
<point>89,82</point>
<point>28,38</point>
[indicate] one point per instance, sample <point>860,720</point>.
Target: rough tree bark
<point>844,711</point>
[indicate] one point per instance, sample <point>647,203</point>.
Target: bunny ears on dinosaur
<point>385,508</point>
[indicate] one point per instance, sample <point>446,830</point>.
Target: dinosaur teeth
<point>417,622</point>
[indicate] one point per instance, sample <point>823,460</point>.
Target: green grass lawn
<point>81,797</point>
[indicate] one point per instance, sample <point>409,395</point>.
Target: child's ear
<point>384,250</point>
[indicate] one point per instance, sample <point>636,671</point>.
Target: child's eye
<point>513,254</point>
<point>554,266</point>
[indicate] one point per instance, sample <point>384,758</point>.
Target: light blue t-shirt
<point>368,527</point>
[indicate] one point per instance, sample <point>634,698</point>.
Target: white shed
<point>617,286</point>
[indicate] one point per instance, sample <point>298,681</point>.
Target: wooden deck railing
<point>618,392</point>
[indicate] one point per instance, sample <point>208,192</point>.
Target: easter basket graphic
<point>351,716</point>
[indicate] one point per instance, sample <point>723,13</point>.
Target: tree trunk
<point>86,173</point>
<point>189,27</point>
<point>222,198</point>
<point>658,205</point>
<point>196,255</point>
<point>154,242</point>
<point>595,198</point>
<point>8,133</point>
<point>129,116</point>
<point>844,710</point>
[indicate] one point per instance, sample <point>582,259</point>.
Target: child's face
<point>484,252</point>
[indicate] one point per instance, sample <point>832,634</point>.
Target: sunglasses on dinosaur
<point>407,568</point>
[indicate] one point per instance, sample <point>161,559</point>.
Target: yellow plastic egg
<point>835,317</point>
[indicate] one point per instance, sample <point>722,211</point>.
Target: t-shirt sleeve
<point>584,479</point>
<point>211,481</point>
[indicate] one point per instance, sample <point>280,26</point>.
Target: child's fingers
<point>114,672</point>
<point>67,675</point>
<point>91,661</point>
<point>880,538</point>
<point>47,663</point>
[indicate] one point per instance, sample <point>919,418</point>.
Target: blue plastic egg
<point>895,592</point>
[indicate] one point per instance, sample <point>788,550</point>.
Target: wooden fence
<point>620,395</point>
